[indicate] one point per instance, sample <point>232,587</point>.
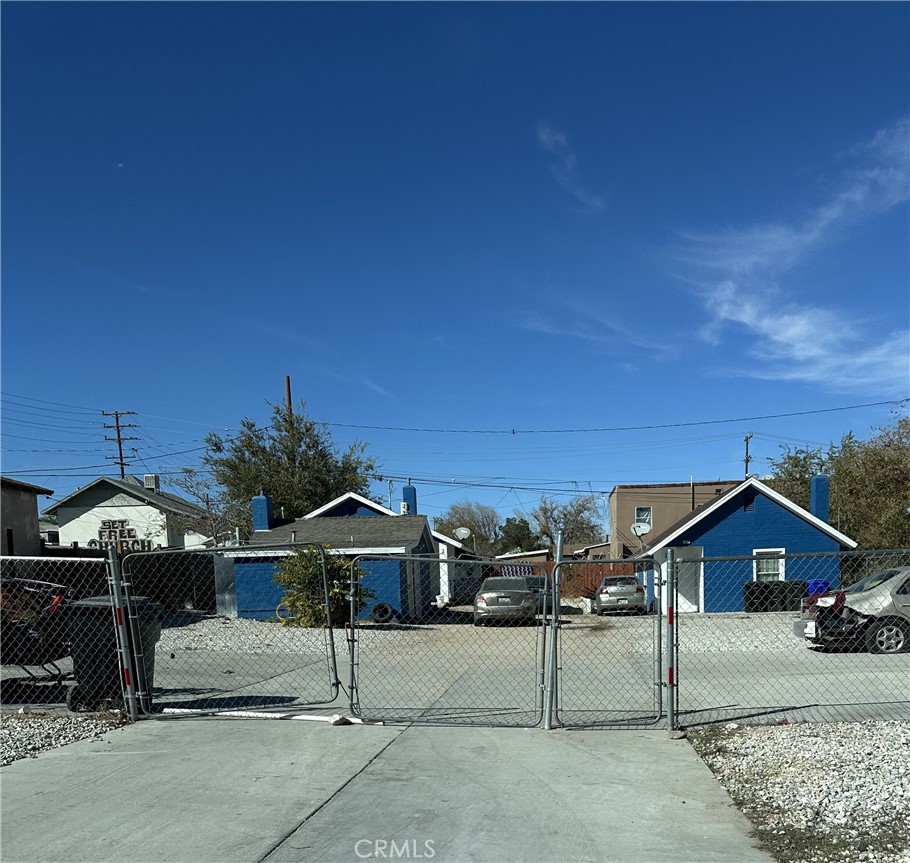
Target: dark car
<point>540,587</point>
<point>873,613</point>
<point>504,598</point>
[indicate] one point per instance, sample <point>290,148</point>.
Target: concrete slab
<point>217,789</point>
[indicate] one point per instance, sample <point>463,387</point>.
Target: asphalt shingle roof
<point>350,532</point>
<point>133,486</point>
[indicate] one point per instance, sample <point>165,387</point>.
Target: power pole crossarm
<point>118,428</point>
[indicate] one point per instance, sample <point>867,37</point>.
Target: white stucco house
<point>131,511</point>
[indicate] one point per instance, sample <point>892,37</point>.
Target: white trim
<point>347,552</point>
<point>757,552</point>
<point>448,540</point>
<point>759,486</point>
<point>351,495</point>
<point>521,554</point>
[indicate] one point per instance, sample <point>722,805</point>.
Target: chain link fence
<point>448,641</point>
<point>57,637</point>
<point>695,640</point>
<point>609,644</point>
<point>815,637</point>
<point>230,637</point>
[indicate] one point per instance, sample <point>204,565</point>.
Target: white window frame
<point>649,519</point>
<point>781,564</point>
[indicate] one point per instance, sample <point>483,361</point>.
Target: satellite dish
<point>640,528</point>
<point>462,533</point>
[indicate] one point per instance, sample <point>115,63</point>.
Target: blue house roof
<point>706,519</point>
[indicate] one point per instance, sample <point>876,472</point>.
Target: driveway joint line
<point>329,799</point>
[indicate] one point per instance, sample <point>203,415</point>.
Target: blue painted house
<point>755,522</point>
<point>354,526</point>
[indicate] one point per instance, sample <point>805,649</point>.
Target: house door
<point>689,578</point>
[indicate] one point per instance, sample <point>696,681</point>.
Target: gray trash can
<point>96,664</point>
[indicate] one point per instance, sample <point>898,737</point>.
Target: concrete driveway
<point>248,790</point>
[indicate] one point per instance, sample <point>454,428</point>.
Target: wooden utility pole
<point>118,427</point>
<point>287,396</point>
<point>748,458</point>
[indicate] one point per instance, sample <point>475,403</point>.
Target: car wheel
<point>888,636</point>
<point>382,613</point>
<point>476,621</point>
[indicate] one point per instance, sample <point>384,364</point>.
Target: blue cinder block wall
<point>257,594</point>
<point>733,530</point>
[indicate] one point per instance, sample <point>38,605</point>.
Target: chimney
<point>263,512</point>
<point>819,497</point>
<point>408,499</point>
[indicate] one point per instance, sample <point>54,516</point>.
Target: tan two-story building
<point>659,506</point>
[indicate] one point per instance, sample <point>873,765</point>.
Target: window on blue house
<point>767,566</point>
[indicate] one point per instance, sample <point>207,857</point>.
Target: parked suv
<point>873,613</point>
<point>619,593</point>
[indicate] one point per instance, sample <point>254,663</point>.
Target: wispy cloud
<point>283,333</point>
<point>360,381</point>
<point>564,167</point>
<point>740,277</point>
<point>574,318</point>
<point>105,280</point>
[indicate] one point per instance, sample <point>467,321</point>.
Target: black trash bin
<point>757,597</point>
<point>96,664</point>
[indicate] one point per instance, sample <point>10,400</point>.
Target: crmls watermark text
<point>389,849</point>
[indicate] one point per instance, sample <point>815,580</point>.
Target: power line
<point>621,428</point>
<point>58,404</point>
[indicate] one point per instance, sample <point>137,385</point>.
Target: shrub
<point>300,574</point>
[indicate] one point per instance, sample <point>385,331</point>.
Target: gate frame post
<point>672,677</point>
<point>551,704</point>
<point>121,616</point>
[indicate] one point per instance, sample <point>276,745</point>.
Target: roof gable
<point>130,485</point>
<point>345,503</point>
<point>25,486</point>
<point>686,523</point>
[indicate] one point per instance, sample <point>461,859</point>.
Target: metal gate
<point>424,649</point>
<point>608,644</point>
<point>227,641</point>
<point>738,655</point>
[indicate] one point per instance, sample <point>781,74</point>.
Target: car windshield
<point>537,582</point>
<point>620,581</point>
<point>505,584</point>
<point>870,582</point>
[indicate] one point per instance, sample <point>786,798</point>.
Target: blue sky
<point>473,217</point>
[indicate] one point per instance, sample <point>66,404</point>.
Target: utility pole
<point>287,396</point>
<point>118,427</point>
<point>748,458</point>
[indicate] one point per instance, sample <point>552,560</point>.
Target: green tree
<point>300,575</point>
<point>869,482</point>
<point>482,520</point>
<point>220,516</point>
<point>578,519</point>
<point>517,535</point>
<point>293,460</point>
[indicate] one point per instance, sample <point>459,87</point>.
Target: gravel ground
<point>717,634</point>
<point>836,793</point>
<point>24,735</point>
